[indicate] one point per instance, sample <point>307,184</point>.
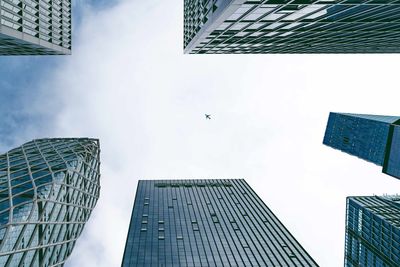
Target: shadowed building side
<point>373,138</point>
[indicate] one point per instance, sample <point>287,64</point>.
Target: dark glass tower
<point>371,137</point>
<point>207,223</point>
<point>295,26</point>
<point>372,231</point>
<point>35,27</point>
<point>48,188</point>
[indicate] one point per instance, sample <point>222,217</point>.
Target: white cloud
<point>129,84</point>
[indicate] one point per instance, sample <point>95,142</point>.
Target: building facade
<point>48,188</point>
<point>294,26</point>
<point>207,223</point>
<point>372,231</point>
<point>35,27</point>
<point>373,138</point>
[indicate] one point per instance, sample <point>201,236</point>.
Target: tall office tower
<point>293,26</point>
<point>35,27</point>
<point>207,223</point>
<point>372,231</point>
<point>371,137</point>
<point>48,188</point>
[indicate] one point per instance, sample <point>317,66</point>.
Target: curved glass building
<point>48,188</point>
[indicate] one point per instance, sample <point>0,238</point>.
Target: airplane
<point>208,116</point>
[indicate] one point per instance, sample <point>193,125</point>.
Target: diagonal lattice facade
<point>48,188</point>
<point>293,26</point>
<point>35,27</point>
<point>372,231</point>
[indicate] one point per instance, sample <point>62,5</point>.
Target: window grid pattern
<point>207,223</point>
<point>197,13</point>
<point>46,22</point>
<point>48,188</point>
<point>372,231</point>
<point>300,26</point>
<point>364,136</point>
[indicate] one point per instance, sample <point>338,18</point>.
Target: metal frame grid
<point>197,13</point>
<point>35,27</point>
<point>372,231</point>
<point>207,223</point>
<point>299,26</point>
<point>48,188</point>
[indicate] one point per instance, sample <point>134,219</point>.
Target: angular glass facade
<point>372,231</point>
<point>48,188</point>
<point>295,26</point>
<point>373,138</point>
<point>207,223</point>
<point>35,27</point>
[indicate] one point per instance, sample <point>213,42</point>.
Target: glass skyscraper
<point>35,27</point>
<point>207,223</point>
<point>373,231</point>
<point>48,188</point>
<point>373,138</point>
<point>294,26</point>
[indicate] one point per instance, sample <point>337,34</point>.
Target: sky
<point>129,84</point>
